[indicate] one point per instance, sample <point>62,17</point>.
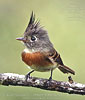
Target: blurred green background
<point>65,22</point>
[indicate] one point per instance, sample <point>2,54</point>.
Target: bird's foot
<point>70,79</point>
<point>28,75</point>
<point>50,79</point>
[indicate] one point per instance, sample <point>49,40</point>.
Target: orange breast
<point>36,59</point>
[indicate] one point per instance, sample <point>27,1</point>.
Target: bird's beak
<point>21,39</point>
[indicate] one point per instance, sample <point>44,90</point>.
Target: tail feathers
<point>66,69</point>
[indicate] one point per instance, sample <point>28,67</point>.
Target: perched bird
<point>39,53</point>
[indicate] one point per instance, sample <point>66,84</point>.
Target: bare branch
<point>70,87</point>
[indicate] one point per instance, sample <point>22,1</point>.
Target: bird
<point>39,53</point>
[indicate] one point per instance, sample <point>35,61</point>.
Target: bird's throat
<point>26,50</point>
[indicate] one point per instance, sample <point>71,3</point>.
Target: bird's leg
<point>51,75</point>
<point>28,74</point>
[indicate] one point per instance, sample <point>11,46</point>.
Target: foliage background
<point>65,22</point>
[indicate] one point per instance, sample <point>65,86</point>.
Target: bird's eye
<point>33,38</point>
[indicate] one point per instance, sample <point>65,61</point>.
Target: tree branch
<point>65,87</point>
